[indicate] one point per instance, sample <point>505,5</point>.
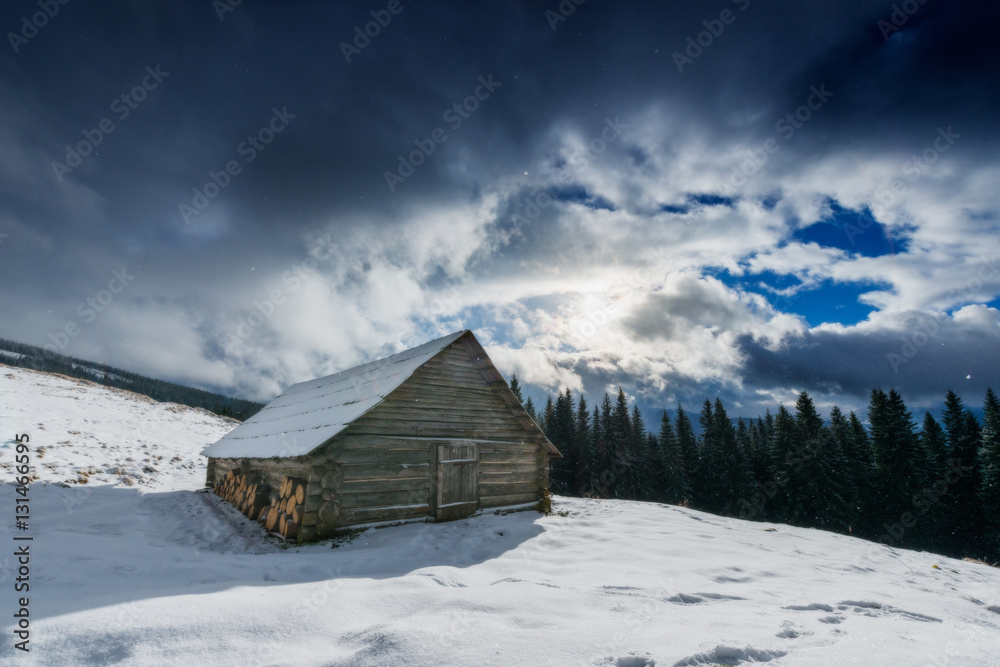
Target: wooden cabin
<point>433,433</point>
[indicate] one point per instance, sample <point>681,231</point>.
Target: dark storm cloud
<point>353,120</point>
<point>348,123</point>
<point>921,356</point>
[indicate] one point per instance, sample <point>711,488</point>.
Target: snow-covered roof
<point>308,414</point>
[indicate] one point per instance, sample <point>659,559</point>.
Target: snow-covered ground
<point>136,566</point>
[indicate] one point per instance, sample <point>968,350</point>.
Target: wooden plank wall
<point>446,399</point>
<point>381,468</point>
<point>511,474</point>
<point>367,478</point>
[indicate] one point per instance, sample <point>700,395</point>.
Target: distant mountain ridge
<point>29,356</point>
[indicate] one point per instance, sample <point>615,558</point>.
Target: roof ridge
<point>288,426</point>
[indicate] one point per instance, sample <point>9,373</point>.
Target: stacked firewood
<point>246,492</point>
<point>284,515</point>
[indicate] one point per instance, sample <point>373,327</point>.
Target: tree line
<point>936,487</point>
<point>40,359</point>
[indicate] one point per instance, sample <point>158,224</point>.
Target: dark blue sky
<point>736,198</point>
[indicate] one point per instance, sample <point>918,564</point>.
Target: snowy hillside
<point>136,566</point>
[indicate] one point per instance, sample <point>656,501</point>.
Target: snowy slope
<point>157,573</point>
<point>85,432</point>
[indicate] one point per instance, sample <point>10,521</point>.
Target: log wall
<point>271,472</point>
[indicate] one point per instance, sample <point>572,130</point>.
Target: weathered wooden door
<point>457,480</point>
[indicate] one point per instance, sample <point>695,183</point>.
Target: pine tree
<point>989,466</point>
<point>818,488</point>
<point>640,480</point>
<point>757,453</point>
<point>709,465</point>
<point>605,435</point>
<point>529,407</point>
<point>782,455</point>
<point>931,503</point>
<point>839,427</point>
<point>515,388</point>
<point>687,448</point>
<point>550,410</point>
<point>880,515</point>
<point>807,419</point>
<point>560,429</point>
<point>962,432</point>
<point>619,461</point>
<point>584,450</point>
<point>672,483</point>
<point>742,435</point>
<point>861,469</point>
<point>768,431</point>
<point>598,448</point>
<point>900,465</point>
<point>734,479</point>
<point>652,474</point>
<point>840,430</point>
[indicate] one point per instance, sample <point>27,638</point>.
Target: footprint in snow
<point>443,581</point>
<point>635,661</point>
<point>686,598</point>
<point>730,655</point>
<point>789,631</point>
<point>878,609</point>
<point>626,661</point>
<point>513,580</point>
<point>720,596</point>
<point>815,606</point>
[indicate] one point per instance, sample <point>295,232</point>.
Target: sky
<point>730,199</point>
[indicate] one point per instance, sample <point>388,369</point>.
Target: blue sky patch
<point>697,199</point>
<point>853,231</point>
<point>827,302</point>
<point>708,199</point>
<point>577,194</point>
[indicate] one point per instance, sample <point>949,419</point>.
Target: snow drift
<point>134,564</point>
